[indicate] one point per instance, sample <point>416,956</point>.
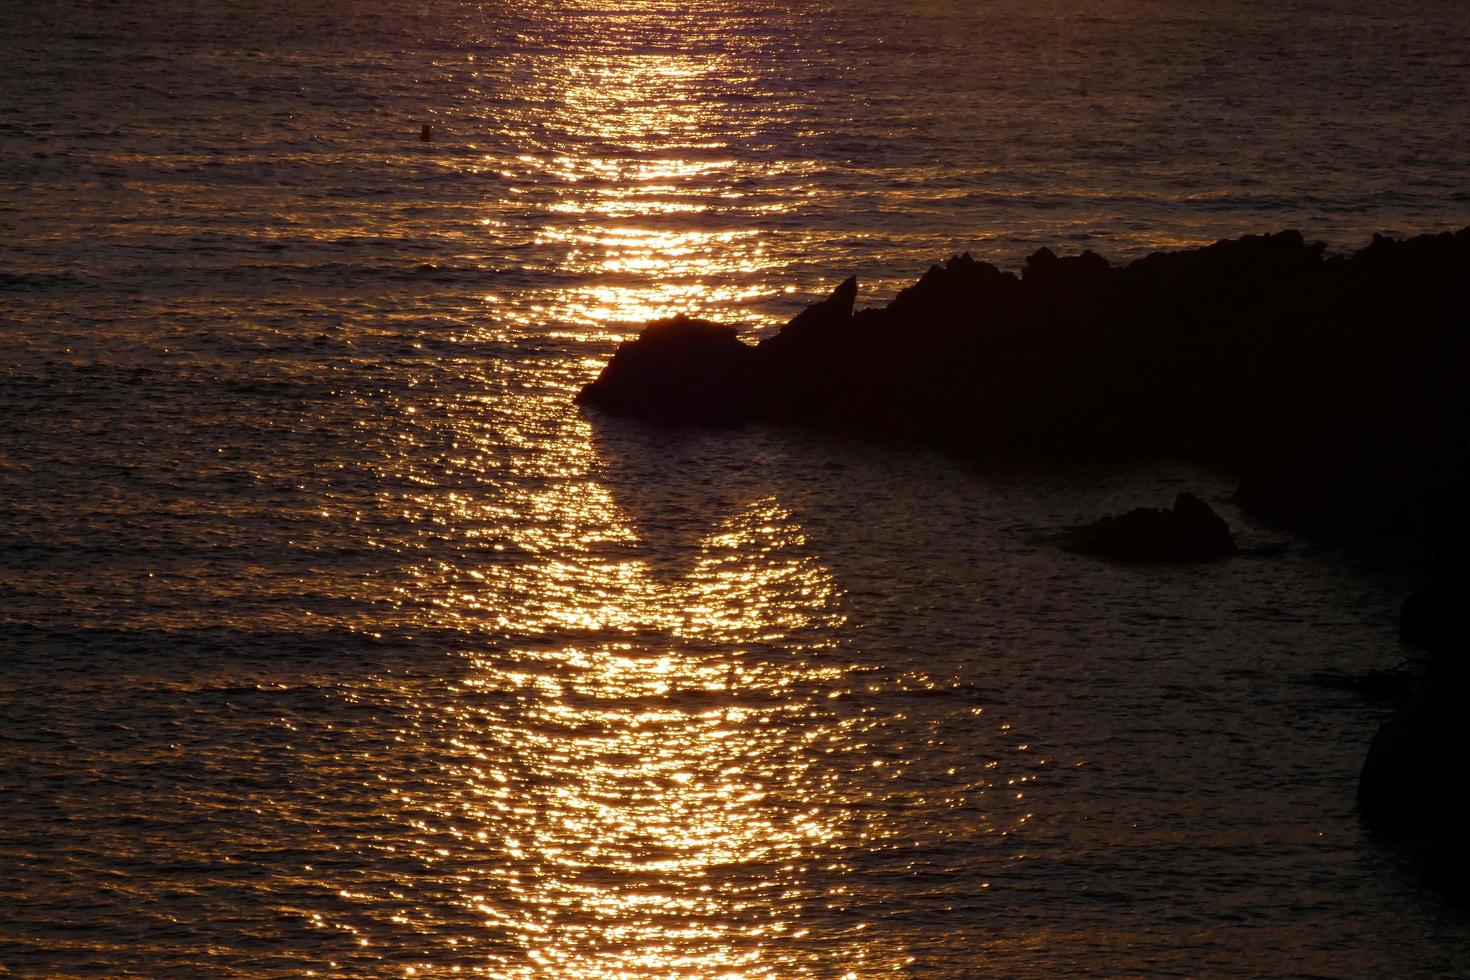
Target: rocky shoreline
<point>1338,386</point>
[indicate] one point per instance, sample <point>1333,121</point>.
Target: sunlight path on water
<point>658,771</point>
<point>659,789</point>
<point>662,805</point>
<point>663,133</point>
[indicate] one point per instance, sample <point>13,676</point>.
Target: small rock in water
<point>1191,531</point>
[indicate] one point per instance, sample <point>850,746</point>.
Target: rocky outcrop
<point>1339,386</point>
<point>678,371</point>
<point>1190,531</point>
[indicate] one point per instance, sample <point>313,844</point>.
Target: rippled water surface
<point>336,642</point>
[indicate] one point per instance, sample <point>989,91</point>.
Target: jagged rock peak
<point>819,322</point>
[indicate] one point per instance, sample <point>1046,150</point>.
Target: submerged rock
<point>1190,531</point>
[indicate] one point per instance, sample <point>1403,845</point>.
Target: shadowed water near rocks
<point>1335,384</point>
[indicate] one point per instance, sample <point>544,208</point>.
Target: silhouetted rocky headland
<point>1337,385</point>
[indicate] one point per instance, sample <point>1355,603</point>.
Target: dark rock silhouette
<point>1438,619</point>
<point>1190,531</point>
<point>1445,866</point>
<point>817,328</point>
<point>678,370</point>
<point>1411,787</point>
<point>1338,386</point>
<point>1412,781</point>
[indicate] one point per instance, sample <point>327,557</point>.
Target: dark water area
<point>336,641</point>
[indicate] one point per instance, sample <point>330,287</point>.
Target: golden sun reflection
<point>648,780</point>
<point>638,223</point>
<point>625,869</point>
<point>650,824</point>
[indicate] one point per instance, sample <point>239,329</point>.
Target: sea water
<point>335,641</point>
